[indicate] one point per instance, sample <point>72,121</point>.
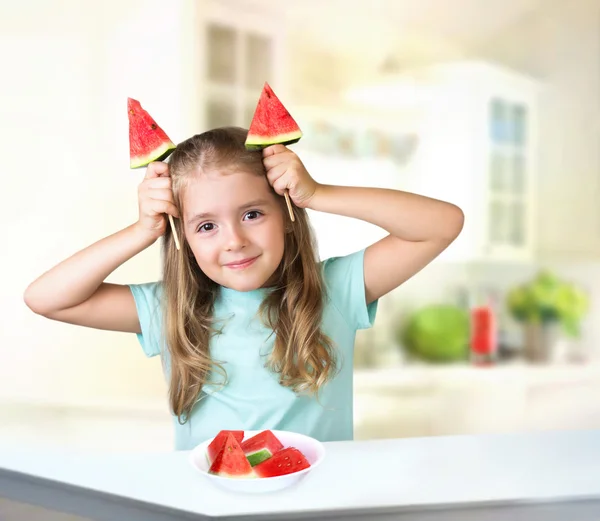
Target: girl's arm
<point>74,291</point>
<point>420,228</point>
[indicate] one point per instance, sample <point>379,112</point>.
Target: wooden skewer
<point>174,232</point>
<point>289,205</point>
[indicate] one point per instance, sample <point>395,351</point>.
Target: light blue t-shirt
<point>252,398</point>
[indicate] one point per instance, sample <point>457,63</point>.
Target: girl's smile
<point>241,264</point>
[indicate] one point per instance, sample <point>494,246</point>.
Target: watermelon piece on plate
<point>286,461</point>
<point>231,462</point>
<point>261,447</point>
<point>147,141</point>
<point>219,440</point>
<point>271,124</point>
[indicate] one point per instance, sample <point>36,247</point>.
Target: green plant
<point>436,333</point>
<point>547,299</point>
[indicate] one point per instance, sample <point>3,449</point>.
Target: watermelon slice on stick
<point>147,142</point>
<point>272,124</point>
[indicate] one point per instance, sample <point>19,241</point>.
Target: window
<point>507,173</point>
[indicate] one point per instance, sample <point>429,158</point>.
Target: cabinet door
<point>560,405</point>
<point>509,172</point>
<point>242,53</point>
<point>393,413</point>
<point>478,149</point>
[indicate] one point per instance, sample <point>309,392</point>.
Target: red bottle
<point>483,335</point>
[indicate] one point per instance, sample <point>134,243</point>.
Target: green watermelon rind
<point>159,154</point>
<point>255,142</point>
<point>258,457</point>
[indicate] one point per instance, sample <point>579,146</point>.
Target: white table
<point>540,476</point>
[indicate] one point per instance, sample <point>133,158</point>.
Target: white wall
<point>68,69</point>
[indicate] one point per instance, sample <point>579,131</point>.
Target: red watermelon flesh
<point>271,123</point>
<point>147,141</point>
<point>261,447</point>
<point>231,462</point>
<point>286,461</point>
<point>217,444</point>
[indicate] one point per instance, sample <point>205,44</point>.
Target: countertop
<point>373,478</point>
<point>456,374</point>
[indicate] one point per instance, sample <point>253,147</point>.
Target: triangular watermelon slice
<point>147,141</point>
<point>231,462</point>
<point>286,461</point>
<point>219,440</point>
<point>260,447</point>
<point>272,123</point>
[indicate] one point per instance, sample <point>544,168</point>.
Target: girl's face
<point>235,227</point>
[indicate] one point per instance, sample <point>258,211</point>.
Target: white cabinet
<point>242,47</point>
<point>440,401</point>
<point>466,133</point>
<point>477,149</point>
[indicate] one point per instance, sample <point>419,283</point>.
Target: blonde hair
<point>302,355</point>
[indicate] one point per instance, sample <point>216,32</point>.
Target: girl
<point>254,332</point>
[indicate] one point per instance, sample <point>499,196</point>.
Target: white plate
<point>311,448</point>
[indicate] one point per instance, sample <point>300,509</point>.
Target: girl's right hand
<point>155,200</point>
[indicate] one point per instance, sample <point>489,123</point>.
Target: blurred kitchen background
<point>494,106</point>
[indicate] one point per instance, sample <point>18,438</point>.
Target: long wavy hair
<point>302,355</point>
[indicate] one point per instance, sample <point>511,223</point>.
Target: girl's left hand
<point>285,171</point>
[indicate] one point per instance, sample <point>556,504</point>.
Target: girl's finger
<point>158,182</point>
<point>276,172</point>
<point>273,149</point>
<point>280,185</point>
<point>274,160</point>
<point>163,194</point>
<point>157,169</point>
<point>159,206</point>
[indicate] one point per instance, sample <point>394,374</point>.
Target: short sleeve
<point>345,280</point>
<point>147,302</point>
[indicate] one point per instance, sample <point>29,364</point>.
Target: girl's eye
<point>206,227</point>
<point>253,214</point>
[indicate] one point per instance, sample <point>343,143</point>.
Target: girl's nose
<point>236,240</point>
